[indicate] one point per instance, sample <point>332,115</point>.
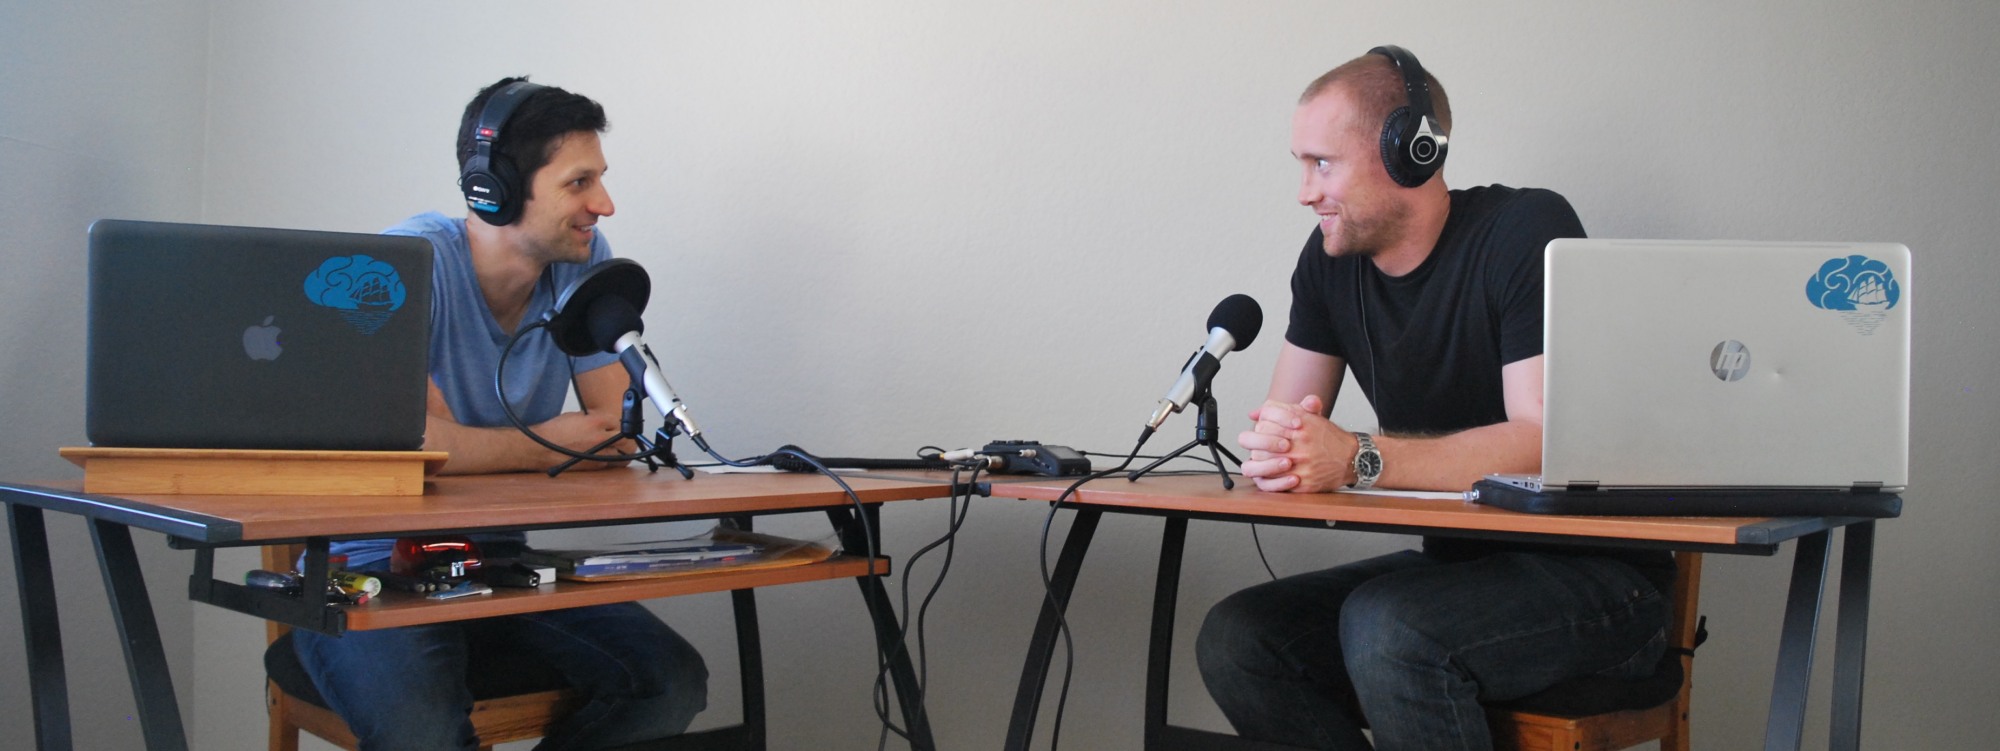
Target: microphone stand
<point>632,425</point>
<point>1206,433</point>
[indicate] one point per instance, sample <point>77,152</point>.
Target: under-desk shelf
<point>393,608</point>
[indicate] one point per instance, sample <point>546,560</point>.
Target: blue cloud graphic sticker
<point>364,291</point>
<point>1856,283</point>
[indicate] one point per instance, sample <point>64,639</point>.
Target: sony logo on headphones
<point>477,189</point>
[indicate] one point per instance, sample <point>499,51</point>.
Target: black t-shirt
<point>1427,347</point>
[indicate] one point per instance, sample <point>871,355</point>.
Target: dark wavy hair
<point>532,132</point>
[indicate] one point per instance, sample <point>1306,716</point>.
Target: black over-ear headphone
<point>1413,144</point>
<point>491,184</point>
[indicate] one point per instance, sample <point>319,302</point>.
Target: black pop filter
<point>1239,315</point>
<point>608,318</point>
<point>569,323</point>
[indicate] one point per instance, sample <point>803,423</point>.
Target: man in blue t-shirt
<point>1433,299</point>
<point>533,171</point>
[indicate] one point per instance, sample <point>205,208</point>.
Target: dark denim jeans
<point>1415,644</point>
<point>404,688</point>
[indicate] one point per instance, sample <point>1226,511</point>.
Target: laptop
<point>1724,366</point>
<point>206,336</point>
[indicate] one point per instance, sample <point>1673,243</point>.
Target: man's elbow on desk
<point>490,450</point>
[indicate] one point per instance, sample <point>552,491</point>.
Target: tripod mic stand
<point>632,426</point>
<point>1205,434</point>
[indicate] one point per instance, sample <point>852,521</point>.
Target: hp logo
<point>1730,361</point>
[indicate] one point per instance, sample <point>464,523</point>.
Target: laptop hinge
<point>1868,487</point>
<point>1582,486</point>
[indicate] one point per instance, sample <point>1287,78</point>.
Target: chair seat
<point>490,676</point>
<point>1595,695</point>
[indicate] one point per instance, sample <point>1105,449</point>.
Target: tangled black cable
<point>1254,537</point>
<point>1049,587</point>
<point>868,541</point>
<point>957,514</point>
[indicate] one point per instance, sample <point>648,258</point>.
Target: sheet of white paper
<point>1428,495</point>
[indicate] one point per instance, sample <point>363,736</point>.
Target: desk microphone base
<point>1205,434</point>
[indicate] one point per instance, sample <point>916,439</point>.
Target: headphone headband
<point>1416,86</point>
<point>498,108</point>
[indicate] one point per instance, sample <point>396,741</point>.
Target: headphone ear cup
<point>511,193</point>
<point>1393,159</point>
<point>491,182</point>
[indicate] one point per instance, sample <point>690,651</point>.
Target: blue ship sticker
<point>364,291</point>
<point>1862,289</point>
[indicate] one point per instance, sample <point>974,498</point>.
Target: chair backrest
<point>1687,599</point>
<point>1532,729</point>
<point>1685,631</point>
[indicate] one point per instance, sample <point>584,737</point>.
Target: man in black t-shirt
<point>1433,299</point>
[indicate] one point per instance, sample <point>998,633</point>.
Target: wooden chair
<point>1585,714</point>
<point>496,720</point>
<point>1524,726</point>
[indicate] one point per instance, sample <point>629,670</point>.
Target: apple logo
<point>261,342</point>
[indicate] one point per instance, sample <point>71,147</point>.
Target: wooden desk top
<point>519,501</point>
<point>1203,495</point>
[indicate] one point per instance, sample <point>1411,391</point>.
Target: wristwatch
<point>1367,462</point>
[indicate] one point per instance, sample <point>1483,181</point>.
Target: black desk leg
<point>749,654</point>
<point>750,661</point>
<point>1159,660</point>
<point>1028,699</point>
<point>1857,558</point>
<point>1787,720</point>
<point>48,684</point>
<point>159,711</point>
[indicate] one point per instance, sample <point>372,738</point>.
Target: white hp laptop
<point>1725,365</point>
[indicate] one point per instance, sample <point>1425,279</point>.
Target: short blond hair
<point>1377,87</point>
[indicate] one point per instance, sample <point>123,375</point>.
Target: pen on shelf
<point>408,583</point>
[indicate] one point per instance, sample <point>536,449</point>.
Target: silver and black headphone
<point>1413,143</point>
<point>490,182</point>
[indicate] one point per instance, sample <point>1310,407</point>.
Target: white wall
<point>101,114</point>
<point>876,225</point>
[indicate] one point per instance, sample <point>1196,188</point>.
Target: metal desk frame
<point>1786,722</point>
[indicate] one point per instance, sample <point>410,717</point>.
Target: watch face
<point>1368,464</point>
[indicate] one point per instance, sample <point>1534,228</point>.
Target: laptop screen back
<point>1726,364</point>
<point>234,337</point>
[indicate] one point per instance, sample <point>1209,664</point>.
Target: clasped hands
<point>1293,447</point>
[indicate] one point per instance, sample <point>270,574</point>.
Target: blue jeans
<point>1415,644</point>
<point>404,688</point>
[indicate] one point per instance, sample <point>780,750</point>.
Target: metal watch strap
<point>1367,462</point>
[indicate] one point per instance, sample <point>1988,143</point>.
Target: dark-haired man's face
<point>1361,211</point>
<point>568,199</point>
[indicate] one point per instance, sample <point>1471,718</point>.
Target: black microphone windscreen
<point>609,318</point>
<point>1239,315</point>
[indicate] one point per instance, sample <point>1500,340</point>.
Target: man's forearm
<point>1457,460</point>
<point>484,450</point>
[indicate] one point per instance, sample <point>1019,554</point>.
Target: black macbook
<point>248,338</point>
